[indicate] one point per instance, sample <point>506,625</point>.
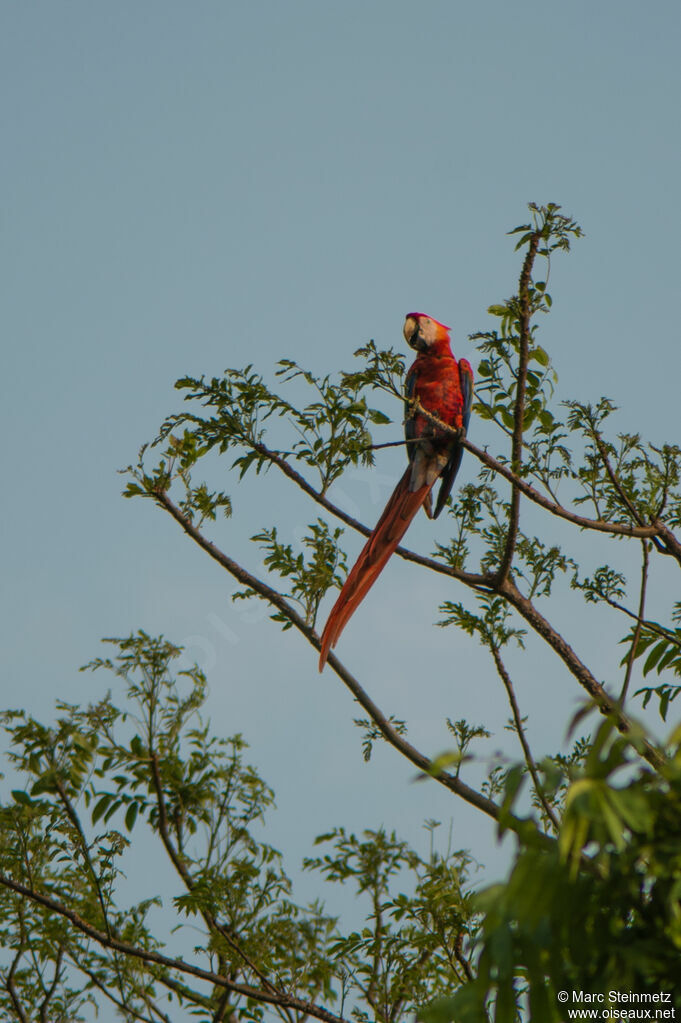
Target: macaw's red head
<point>423,332</point>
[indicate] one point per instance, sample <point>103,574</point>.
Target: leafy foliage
<point>593,899</point>
<point>599,911</point>
<point>100,773</point>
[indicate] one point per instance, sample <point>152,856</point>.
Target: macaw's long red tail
<point>389,530</point>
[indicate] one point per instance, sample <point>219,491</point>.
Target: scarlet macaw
<point>443,387</point>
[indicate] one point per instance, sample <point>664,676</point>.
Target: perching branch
<point>380,720</point>
<point>472,579</point>
<point>490,583</point>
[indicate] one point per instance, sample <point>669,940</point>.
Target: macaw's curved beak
<point>410,330</point>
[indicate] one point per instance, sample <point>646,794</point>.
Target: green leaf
<point>19,796</point>
<point>540,356</point>
<point>131,816</point>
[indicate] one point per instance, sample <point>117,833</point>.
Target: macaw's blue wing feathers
<point>452,467</point>
<point>466,378</point>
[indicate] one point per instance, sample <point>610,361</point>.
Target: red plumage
<point>444,388</point>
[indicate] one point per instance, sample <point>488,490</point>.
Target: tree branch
<point>9,984</point>
<point>470,578</point>
<point>148,956</point>
<point>525,316</point>
<point>593,687</point>
<point>53,986</point>
<point>380,720</point>
<point>75,821</point>
<point>656,528</point>
<point>124,1006</point>
<point>600,525</point>
<point>612,475</point>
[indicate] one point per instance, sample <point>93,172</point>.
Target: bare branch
<point>656,528</point>
<point>668,538</point>
<point>600,525</point>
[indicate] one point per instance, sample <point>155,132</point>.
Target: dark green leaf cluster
<point>627,481</point>
<point>384,371</point>
<point>597,912</point>
<point>662,647</point>
<point>491,626</point>
<point>310,577</point>
<point>414,942</point>
<point>554,228</point>
<point>197,503</point>
<point>327,434</point>
<point>593,899</point>
<point>372,733</point>
<point>154,762</point>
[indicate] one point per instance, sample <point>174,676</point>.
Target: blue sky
<point>188,187</point>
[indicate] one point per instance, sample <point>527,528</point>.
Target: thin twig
<point>53,986</point>
<point>593,687</point>
<point>9,984</point>
<point>612,475</point>
<point>639,624</point>
<point>125,1006</point>
<point>181,869</point>
<point>527,753</point>
<point>519,411</point>
<point>75,821</point>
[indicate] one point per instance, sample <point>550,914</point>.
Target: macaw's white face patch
<point>428,330</point>
<point>421,331</point>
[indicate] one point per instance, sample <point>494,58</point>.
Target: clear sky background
<point>192,186</point>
